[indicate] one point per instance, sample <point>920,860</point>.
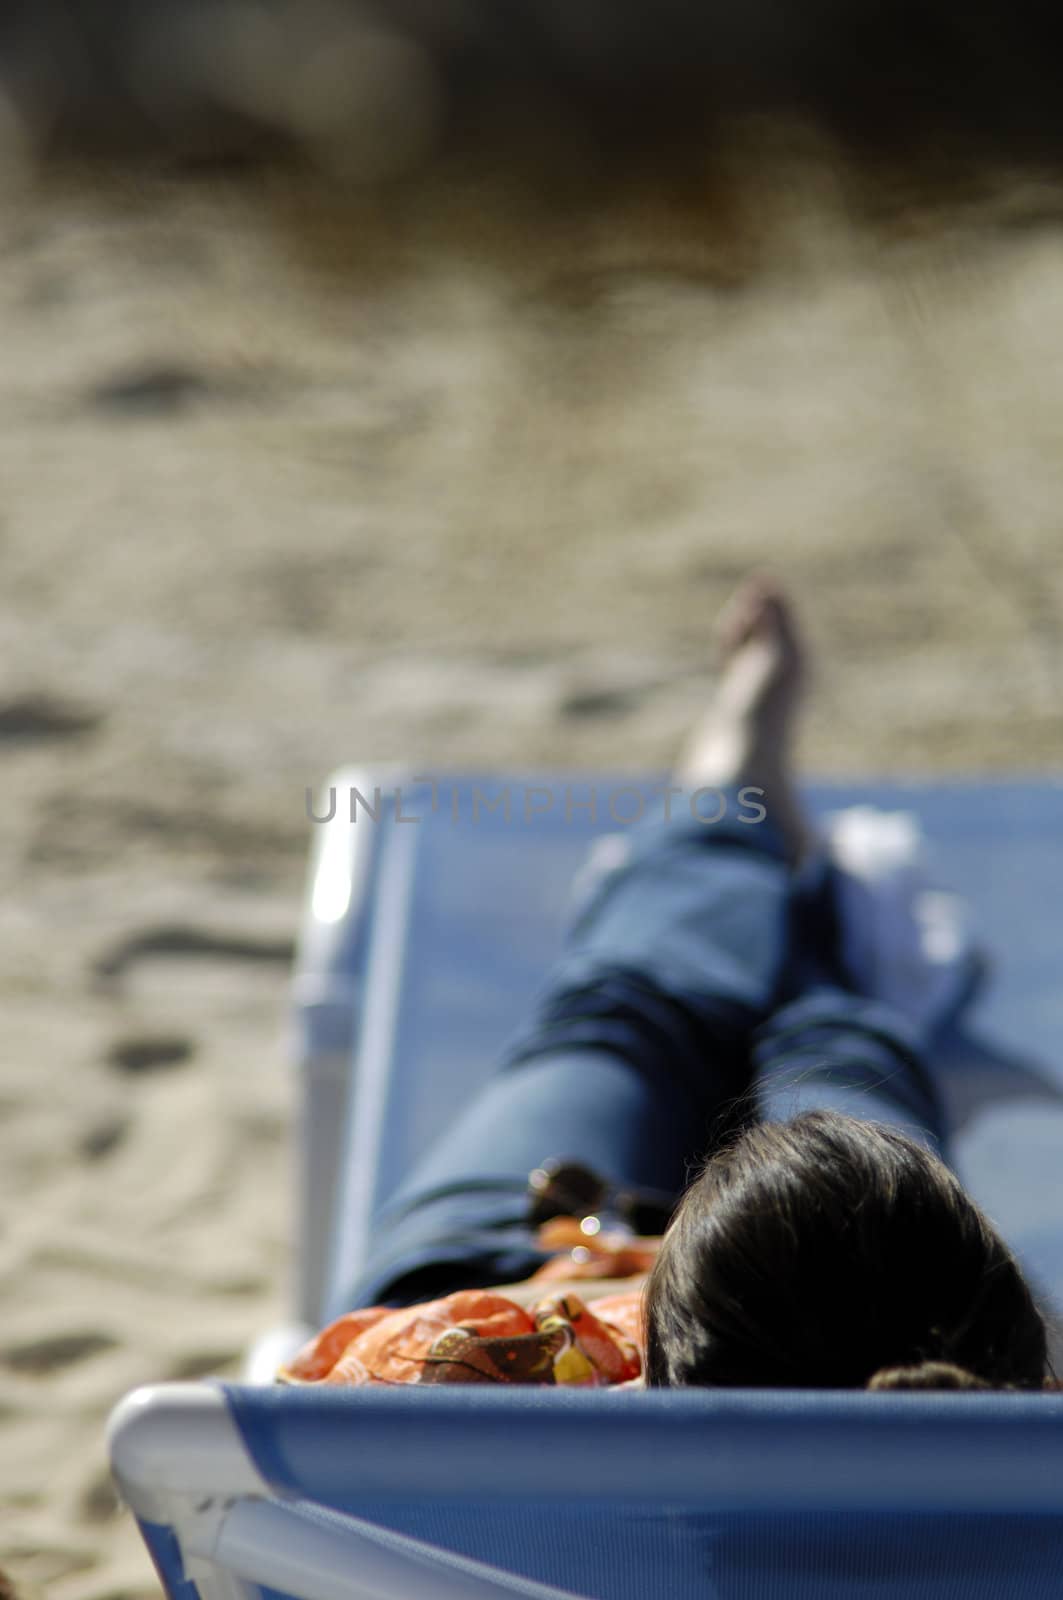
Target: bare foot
<point>745,737</point>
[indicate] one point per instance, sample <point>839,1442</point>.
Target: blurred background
<point>416,380</point>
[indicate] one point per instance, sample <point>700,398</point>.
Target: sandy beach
<point>291,478</point>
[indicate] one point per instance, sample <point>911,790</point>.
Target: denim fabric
<point>701,984</point>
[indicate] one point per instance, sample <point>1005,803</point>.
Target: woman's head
<point>832,1253</point>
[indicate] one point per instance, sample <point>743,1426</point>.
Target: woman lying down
<point>704,1008</point>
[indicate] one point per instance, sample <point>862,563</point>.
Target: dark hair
<point>827,1252</point>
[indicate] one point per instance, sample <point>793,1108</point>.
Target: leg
<point>640,1043</point>
<point>823,1047</point>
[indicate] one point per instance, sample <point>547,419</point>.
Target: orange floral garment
<point>482,1336</point>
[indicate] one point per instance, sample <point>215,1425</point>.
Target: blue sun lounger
<point>425,934</point>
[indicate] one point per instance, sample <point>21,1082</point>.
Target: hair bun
<point>927,1375</point>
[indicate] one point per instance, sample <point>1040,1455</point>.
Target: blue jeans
<point>701,983</point>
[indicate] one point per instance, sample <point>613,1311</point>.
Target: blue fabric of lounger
<point>672,1496</point>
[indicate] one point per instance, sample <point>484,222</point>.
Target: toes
<point>742,615</point>
<point>786,630</point>
<point>758,609</point>
<point>775,622</point>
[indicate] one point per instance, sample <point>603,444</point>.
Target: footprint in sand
<point>103,1136</point>
<point>33,718</point>
<point>98,1501</point>
<point>204,1364</point>
<point>150,1053</point>
<point>151,390</point>
<point>601,702</point>
<point>178,939</point>
<point>39,1357</point>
